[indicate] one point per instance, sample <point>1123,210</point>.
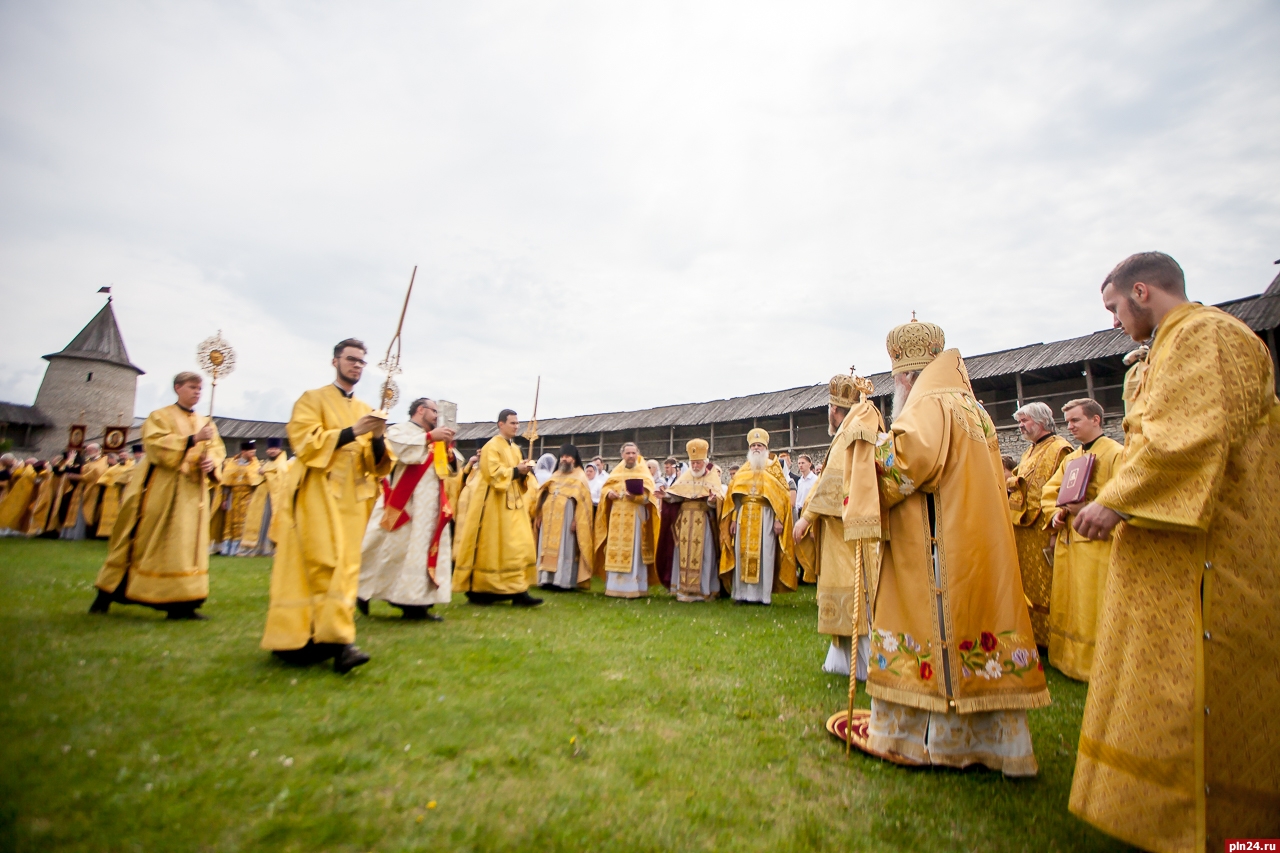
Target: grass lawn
<point>586,724</point>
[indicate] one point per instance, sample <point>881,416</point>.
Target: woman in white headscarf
<point>545,468</point>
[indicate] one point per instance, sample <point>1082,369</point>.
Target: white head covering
<point>545,468</point>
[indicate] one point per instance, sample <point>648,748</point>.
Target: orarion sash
<point>393,513</point>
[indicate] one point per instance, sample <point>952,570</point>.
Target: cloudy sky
<point>643,203</point>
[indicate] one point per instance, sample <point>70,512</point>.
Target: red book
<point>1075,480</point>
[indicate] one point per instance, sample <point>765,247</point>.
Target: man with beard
<point>496,554</point>
<point>627,528</point>
<point>689,542</point>
<point>258,539</point>
<point>241,478</point>
<point>1180,715</point>
<point>158,555</point>
<point>314,577</point>
<point>408,548</point>
<point>1030,526</point>
<point>757,557</point>
<point>839,566</point>
<point>562,526</point>
<point>954,663</point>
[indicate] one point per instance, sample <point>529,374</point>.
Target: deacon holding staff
<point>341,454</point>
<point>158,555</point>
<point>407,556</point>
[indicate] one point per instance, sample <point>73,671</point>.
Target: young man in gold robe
<point>37,517</point>
<point>115,481</point>
<point>562,526</point>
<point>258,538</point>
<point>496,557</point>
<point>241,477</point>
<point>158,555</point>
<point>1180,742</point>
<point>1079,564</point>
<point>332,484</point>
<point>954,664</point>
<point>757,551</point>
<point>80,496</point>
<point>1030,525</point>
<point>689,544</point>
<point>17,501</point>
<point>627,528</point>
<point>838,565</point>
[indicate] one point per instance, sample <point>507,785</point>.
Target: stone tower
<point>91,375</point>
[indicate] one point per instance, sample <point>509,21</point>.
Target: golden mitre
<point>912,346</point>
<point>844,389</point>
<point>697,450</point>
<point>758,436</point>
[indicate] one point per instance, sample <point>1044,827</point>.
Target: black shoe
<point>524,599</point>
<point>362,604</point>
<point>101,604</point>
<point>348,659</point>
<point>419,613</point>
<point>484,599</point>
<point>186,616</point>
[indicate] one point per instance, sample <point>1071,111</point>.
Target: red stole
<point>396,499</point>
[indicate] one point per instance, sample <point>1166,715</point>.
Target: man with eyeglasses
<point>340,447</point>
<point>408,549</point>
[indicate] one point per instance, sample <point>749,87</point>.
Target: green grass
<point>693,727</point>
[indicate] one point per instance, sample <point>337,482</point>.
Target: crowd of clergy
<point>947,575</point>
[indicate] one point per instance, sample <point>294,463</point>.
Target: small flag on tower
<point>104,289</point>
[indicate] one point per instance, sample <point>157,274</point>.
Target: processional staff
<point>531,433</point>
<point>390,364</point>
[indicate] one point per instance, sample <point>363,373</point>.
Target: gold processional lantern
<point>216,358</point>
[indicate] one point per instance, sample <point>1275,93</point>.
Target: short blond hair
<point>187,376</point>
<point>1091,407</point>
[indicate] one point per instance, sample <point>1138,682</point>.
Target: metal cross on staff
<point>390,363</point>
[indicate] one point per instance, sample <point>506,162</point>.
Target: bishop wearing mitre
<point>954,664</point>
<point>757,553</point>
<point>496,554</point>
<point>408,550</point>
<point>563,526</point>
<point>627,528</point>
<point>333,482</point>
<point>689,544</point>
<point>158,555</point>
<point>841,565</point>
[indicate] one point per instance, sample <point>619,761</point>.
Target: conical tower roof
<point>99,340</point>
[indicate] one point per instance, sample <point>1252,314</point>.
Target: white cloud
<point>644,205</point>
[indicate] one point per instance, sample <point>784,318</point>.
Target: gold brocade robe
<point>85,497</point>
<point>1079,569</point>
<point>616,520</point>
<point>327,501</point>
<point>239,481</point>
<point>41,503</point>
<point>495,551</point>
<point>838,565</point>
<point>1180,742</point>
<point>551,502</point>
<point>114,480</point>
<point>159,545</point>
<point>22,485</point>
<point>691,527</point>
<point>754,489</point>
<point>941,460</point>
<point>1030,526</point>
<point>275,481</point>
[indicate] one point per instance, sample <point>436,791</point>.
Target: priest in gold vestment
<point>82,512</point>
<point>838,565</point>
<point>241,478</point>
<point>259,536</point>
<point>954,665</point>
<point>41,501</point>
<point>562,526</point>
<point>1180,743</point>
<point>332,483</point>
<point>495,555</point>
<point>113,482</point>
<point>16,505</point>
<point>689,544</point>
<point>158,555</point>
<point>1079,564</point>
<point>627,528</point>
<point>1030,525</point>
<point>757,548</point>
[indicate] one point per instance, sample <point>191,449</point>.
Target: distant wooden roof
<point>16,413</point>
<point>1259,312</point>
